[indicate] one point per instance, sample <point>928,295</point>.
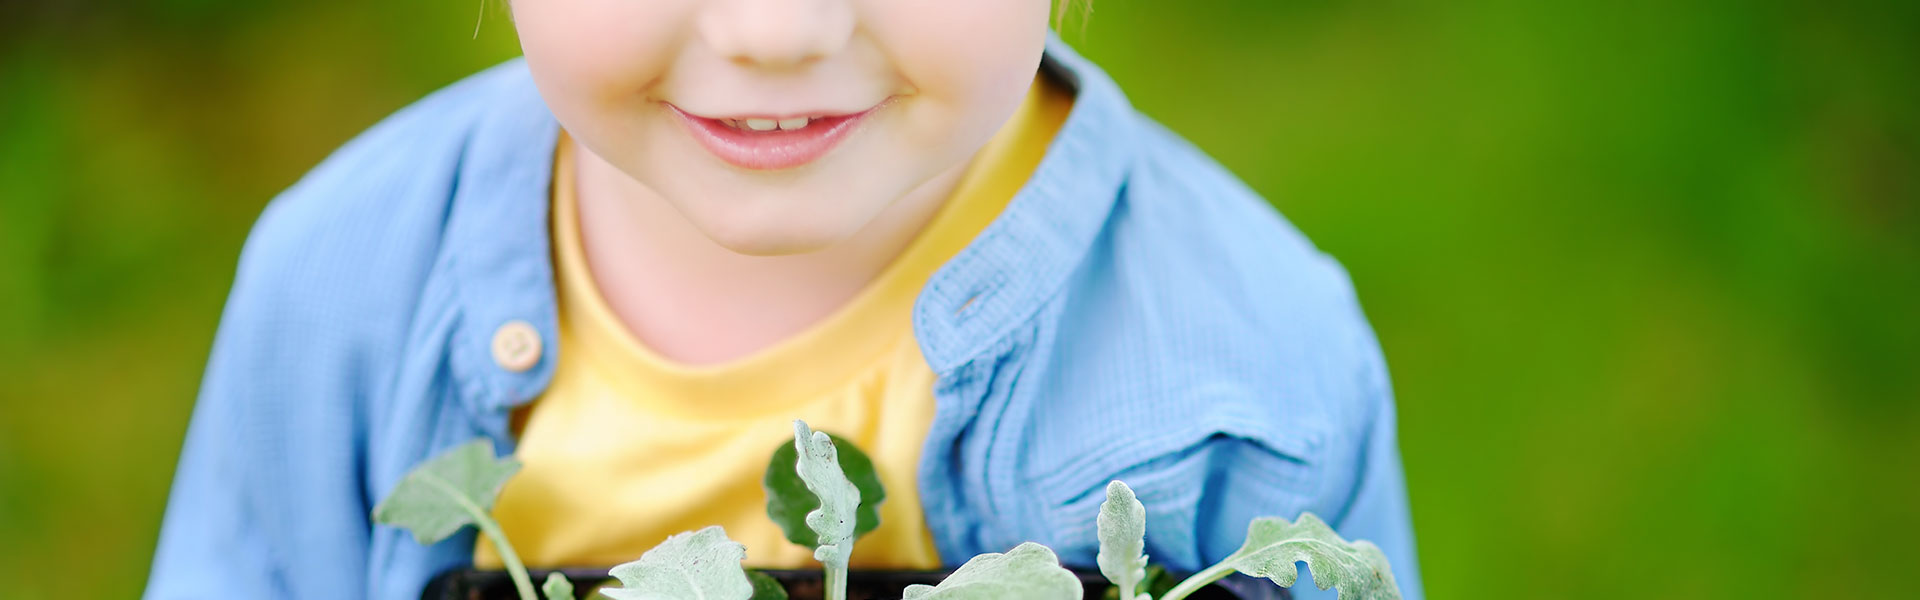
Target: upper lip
<point>815,114</point>
<point>810,114</point>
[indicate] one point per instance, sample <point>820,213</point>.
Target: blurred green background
<point>1646,272</point>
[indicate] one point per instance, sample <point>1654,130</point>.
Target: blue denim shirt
<point>1135,313</point>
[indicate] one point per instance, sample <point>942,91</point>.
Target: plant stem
<point>491,529</point>
<point>836,582</point>
<point>521,581</point>
<point>1197,581</point>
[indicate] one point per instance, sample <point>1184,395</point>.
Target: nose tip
<point>777,34</point>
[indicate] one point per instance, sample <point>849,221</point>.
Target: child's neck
<point>696,302</point>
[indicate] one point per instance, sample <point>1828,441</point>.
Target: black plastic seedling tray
<point>473,584</point>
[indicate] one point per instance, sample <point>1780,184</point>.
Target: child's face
<point>901,92</point>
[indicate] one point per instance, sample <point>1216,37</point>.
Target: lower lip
<point>772,150</point>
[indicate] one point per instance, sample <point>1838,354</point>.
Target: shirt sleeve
<point>266,499</point>
<point>1375,509</point>
<point>1362,493</point>
<point>210,542</point>
<point>1379,511</point>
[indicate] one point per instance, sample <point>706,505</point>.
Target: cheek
<point>590,57</point>
<point>974,59</point>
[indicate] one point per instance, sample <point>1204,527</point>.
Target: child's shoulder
<point>1182,225</point>
<point>1219,253</point>
<point>1176,190</point>
<point>1199,334</point>
<point>1200,310</point>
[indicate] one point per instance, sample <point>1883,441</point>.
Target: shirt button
<point>516,346</point>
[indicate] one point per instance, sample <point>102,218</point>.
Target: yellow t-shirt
<point>626,447</point>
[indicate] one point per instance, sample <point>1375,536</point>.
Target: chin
<point>773,234</point>
<point>774,245</point>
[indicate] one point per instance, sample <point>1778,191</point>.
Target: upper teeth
<point>771,124</point>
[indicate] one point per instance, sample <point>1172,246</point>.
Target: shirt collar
<point>1001,280</point>
<point>498,247</point>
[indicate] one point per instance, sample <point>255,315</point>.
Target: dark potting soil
<point>474,584</point>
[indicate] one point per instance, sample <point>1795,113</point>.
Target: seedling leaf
<point>789,500</point>
<point>819,468</point>
<point>765,587</point>
<point>446,493</point>
<point>1358,569</point>
<point>1123,531</point>
<point>1029,571</point>
<point>453,490</point>
<point>700,564</point>
<point>1155,585</point>
<point>557,587</point>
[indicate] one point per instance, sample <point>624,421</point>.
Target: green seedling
<point>811,486</point>
<point>1154,585</point>
<point>458,488</point>
<point>1357,569</point>
<point>557,587</point>
<point>699,564</point>
<point>789,500</point>
<point>765,587</point>
<point>832,523</point>
<point>1028,571</point>
<point>830,490</point>
<point>451,491</point>
<point>1122,528</point>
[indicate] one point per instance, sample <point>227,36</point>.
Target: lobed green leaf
<point>1357,569</point>
<point>701,564</point>
<point>833,522</point>
<point>789,500</point>
<point>440,496</point>
<point>1029,572</point>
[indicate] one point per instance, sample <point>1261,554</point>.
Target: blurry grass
<point>139,146</point>
<point>1645,272</point>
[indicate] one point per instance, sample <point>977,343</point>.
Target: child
<point>636,255</point>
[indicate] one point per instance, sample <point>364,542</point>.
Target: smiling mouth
<point>769,143</point>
